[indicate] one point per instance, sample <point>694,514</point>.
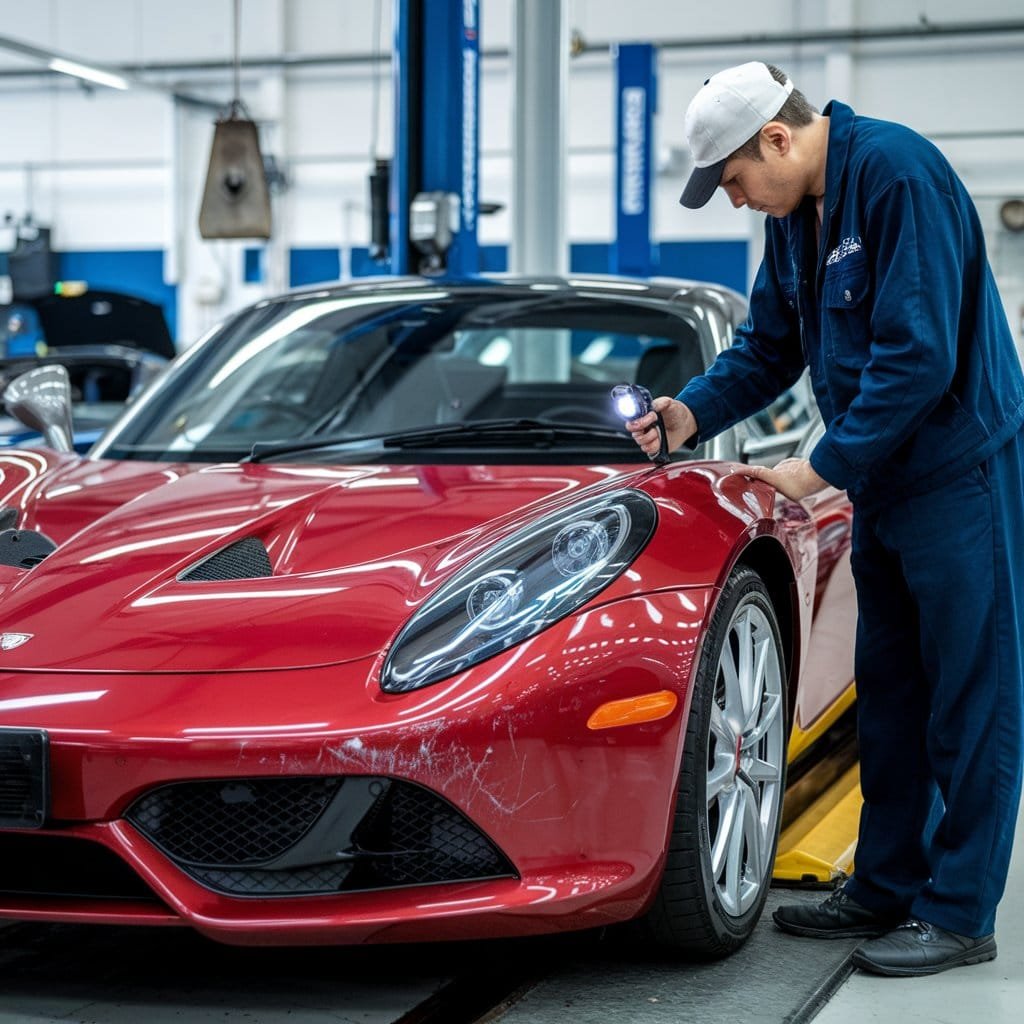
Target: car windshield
<point>358,365</point>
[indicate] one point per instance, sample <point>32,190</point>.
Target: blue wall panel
<point>311,266</point>
<point>719,262</point>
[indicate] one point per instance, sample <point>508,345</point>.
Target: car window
<point>371,364</point>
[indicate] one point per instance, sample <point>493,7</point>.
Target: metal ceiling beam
<point>923,31</point>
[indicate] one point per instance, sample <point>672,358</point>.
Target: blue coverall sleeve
<point>764,359</point>
<point>914,229</point>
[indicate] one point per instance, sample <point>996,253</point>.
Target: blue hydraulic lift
<point>436,168</point>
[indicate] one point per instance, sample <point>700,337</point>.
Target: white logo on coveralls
<point>8,641</point>
<point>845,248</point>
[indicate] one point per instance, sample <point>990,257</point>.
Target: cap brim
<point>701,186</point>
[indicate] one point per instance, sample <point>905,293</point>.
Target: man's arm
<point>764,360</point>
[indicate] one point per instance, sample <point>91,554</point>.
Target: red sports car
<point>369,622</point>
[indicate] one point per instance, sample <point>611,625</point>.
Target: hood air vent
<point>246,559</point>
<point>24,548</point>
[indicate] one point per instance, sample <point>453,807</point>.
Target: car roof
<point>610,286</point>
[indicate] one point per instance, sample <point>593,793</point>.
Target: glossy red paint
<point>142,680</point>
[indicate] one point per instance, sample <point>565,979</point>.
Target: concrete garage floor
<point>124,976</point>
<point>774,978</point>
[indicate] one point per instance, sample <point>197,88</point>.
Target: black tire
<point>690,915</point>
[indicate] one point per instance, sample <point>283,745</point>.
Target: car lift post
<point>436,76</point>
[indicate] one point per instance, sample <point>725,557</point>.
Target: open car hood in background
<point>104,317</point>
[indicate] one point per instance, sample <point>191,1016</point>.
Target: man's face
<point>772,185</point>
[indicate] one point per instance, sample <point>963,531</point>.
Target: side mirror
<point>41,399</point>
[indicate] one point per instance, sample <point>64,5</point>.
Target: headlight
<point>529,581</point>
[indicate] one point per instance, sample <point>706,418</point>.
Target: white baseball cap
<point>731,108</point>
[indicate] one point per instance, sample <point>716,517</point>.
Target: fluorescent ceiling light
<point>90,74</point>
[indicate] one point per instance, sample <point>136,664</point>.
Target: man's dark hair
<point>796,112</point>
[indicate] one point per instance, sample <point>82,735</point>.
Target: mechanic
<point>875,277</point>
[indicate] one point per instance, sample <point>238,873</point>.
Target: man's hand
<point>795,478</point>
<point>680,426</point>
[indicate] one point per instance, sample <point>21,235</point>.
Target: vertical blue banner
<point>636,103</point>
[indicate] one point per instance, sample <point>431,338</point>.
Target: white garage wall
<point>121,172</point>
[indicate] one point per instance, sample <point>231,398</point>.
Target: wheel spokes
<point>746,752</point>
<point>733,709</point>
<point>719,776</point>
<point>729,811</point>
<point>734,855</point>
<point>743,848</point>
<point>721,728</point>
<point>753,835</point>
<point>762,771</point>
<point>769,712</point>
<point>744,633</point>
<point>762,648</point>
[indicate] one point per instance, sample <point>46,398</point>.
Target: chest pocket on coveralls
<point>847,319</point>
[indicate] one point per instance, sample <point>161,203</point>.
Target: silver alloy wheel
<point>746,758</point>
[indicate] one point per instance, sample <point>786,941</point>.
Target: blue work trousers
<point>940,689</point>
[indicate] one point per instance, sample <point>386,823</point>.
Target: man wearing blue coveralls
<point>875,277</point>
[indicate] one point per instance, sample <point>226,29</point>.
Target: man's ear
<point>775,136</point>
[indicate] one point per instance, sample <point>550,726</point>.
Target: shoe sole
<point>979,955</point>
<point>833,933</point>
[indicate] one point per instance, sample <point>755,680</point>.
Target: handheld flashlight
<point>634,400</point>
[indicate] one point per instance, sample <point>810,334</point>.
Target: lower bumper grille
<point>24,789</point>
<point>314,836</point>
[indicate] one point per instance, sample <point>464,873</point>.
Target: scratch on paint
<point>512,740</point>
<point>433,754</point>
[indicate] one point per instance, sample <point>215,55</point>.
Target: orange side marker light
<point>648,707</point>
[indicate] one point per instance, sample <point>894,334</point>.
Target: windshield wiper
<point>521,432</point>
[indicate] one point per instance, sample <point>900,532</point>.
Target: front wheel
<point>725,828</point>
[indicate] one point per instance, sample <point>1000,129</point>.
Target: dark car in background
<point>113,345</point>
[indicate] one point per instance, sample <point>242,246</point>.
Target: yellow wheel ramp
<point>819,845</point>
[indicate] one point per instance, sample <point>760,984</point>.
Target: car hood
<point>352,551</point>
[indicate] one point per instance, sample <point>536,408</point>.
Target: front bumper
<point>579,816</point>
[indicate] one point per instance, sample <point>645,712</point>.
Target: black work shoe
<point>917,947</point>
<point>838,917</point>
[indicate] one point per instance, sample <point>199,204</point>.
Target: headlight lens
<point>529,581</point>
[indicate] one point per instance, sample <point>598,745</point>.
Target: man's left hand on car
<point>795,478</point>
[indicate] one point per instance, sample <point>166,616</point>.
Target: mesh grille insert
<point>314,836</point>
<point>246,559</point>
<point>424,839</point>
<point>232,822</point>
